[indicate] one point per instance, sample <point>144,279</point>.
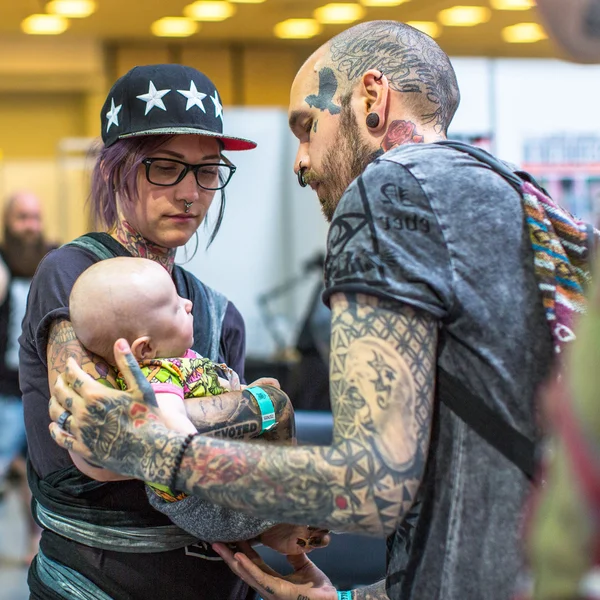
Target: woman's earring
<point>372,120</point>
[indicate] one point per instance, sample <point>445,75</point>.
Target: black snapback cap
<point>165,99</point>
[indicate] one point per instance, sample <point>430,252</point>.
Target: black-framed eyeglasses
<point>169,171</point>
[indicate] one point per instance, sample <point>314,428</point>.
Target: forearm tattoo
<point>382,380</point>
<point>235,416</point>
<point>62,345</point>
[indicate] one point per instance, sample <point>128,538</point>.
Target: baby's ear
<point>143,348</point>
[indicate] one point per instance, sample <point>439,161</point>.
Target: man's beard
<point>23,255</point>
<point>347,159</point>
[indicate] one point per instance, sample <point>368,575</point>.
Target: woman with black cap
<point>152,186</point>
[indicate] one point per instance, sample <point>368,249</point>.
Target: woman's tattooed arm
<point>236,415</point>
<point>63,344</point>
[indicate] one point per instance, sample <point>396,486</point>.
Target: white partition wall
<point>475,115</point>
<point>544,97</point>
<point>270,227</point>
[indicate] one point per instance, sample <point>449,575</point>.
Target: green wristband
<point>344,595</point>
<point>267,410</point>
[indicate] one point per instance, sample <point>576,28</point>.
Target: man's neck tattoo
<point>401,132</point>
<point>137,245</point>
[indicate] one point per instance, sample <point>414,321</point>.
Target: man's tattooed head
<point>413,63</point>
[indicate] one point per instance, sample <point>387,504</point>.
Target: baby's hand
<point>294,539</point>
<point>172,412</point>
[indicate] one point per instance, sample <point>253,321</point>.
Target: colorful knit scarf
<point>563,246</point>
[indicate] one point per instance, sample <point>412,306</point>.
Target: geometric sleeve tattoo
<point>382,372</point>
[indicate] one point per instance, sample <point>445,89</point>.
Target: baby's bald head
<point>118,298</point>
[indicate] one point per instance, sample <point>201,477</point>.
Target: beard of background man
<point>23,251</point>
<point>348,157</point>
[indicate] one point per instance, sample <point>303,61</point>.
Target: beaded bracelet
<point>344,595</point>
<point>179,458</point>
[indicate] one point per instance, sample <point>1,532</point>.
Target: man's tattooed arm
<point>382,382</point>
<point>236,415</point>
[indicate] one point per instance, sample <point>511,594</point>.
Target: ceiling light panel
<point>383,2</point>
<point>464,16</point>
<point>40,24</point>
<point>73,9</point>
<point>339,13</point>
<point>524,33</point>
<point>512,4</point>
<point>174,27</point>
<point>209,10</point>
<point>297,29</point>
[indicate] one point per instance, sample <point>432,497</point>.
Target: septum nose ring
<point>187,206</point>
<point>301,170</point>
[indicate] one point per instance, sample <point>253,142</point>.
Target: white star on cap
<point>153,98</point>
<point>113,114</point>
<point>194,97</point>
<point>218,107</point>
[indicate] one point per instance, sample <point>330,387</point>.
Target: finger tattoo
<point>66,425</point>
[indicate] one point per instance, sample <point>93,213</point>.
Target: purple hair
<point>116,171</point>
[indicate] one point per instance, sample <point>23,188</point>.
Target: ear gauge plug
<point>372,120</point>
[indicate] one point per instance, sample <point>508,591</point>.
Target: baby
<point>136,299</point>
